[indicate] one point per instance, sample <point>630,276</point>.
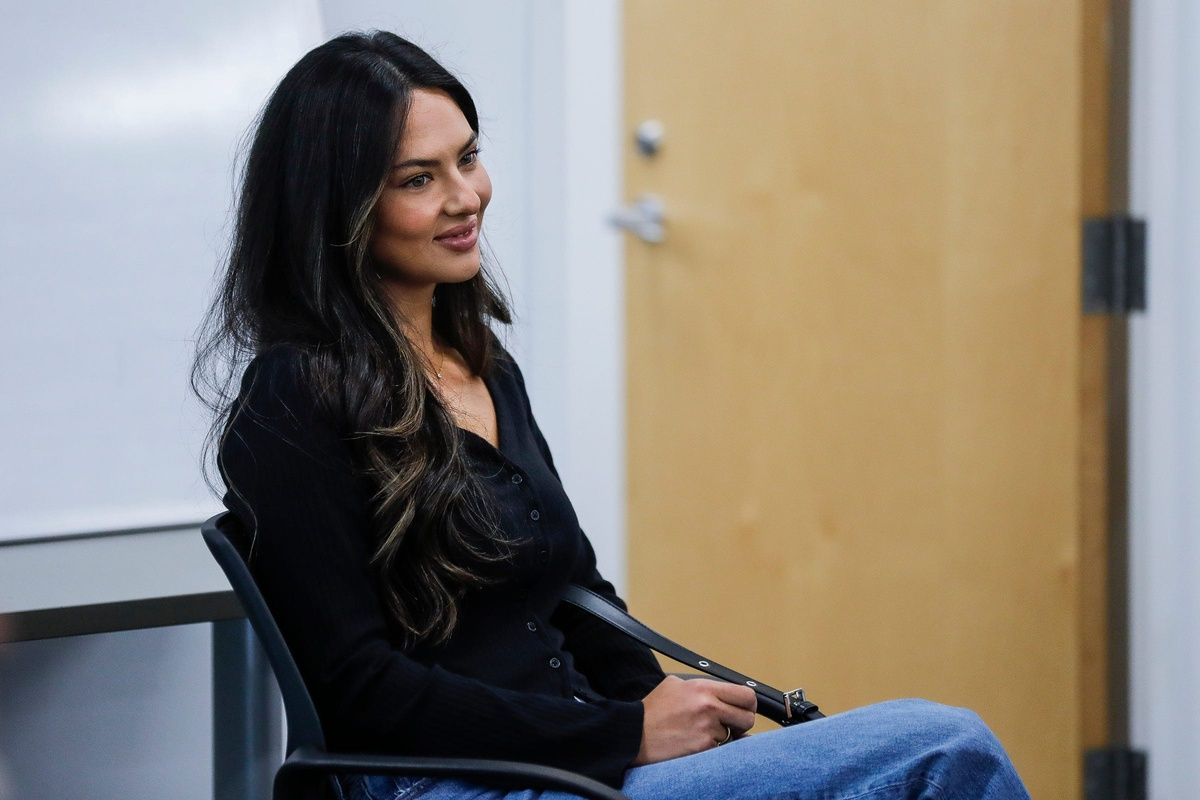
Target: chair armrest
<point>505,774</point>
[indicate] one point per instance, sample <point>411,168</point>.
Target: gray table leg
<point>247,715</point>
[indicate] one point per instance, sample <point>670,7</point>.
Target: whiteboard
<point>119,127</point>
<point>119,122</point>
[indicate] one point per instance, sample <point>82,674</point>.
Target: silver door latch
<point>643,219</point>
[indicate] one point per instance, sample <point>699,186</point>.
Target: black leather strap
<point>785,708</point>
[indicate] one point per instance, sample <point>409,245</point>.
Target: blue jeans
<point>899,749</point>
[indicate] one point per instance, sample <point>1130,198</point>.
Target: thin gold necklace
<point>441,364</point>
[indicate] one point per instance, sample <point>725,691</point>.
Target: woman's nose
<point>463,198</point>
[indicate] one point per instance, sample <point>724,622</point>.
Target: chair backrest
<point>303,724</point>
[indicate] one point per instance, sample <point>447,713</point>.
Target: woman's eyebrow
<point>433,162</point>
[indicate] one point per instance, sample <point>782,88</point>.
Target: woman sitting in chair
<point>408,528</point>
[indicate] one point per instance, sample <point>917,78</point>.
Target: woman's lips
<point>461,242</point>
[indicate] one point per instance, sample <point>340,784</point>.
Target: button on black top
<point>535,515</point>
<point>517,478</point>
<point>555,663</point>
<point>531,625</point>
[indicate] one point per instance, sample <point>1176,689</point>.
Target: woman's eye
<point>421,181</point>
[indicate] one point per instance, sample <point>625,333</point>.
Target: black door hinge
<point>1114,773</point>
<point>1114,265</point>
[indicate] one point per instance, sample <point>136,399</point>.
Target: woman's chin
<point>462,274</point>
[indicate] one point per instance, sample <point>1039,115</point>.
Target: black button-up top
<point>521,678</point>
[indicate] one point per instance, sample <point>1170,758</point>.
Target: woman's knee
<point>951,727</point>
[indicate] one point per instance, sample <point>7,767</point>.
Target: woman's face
<point>430,214</point>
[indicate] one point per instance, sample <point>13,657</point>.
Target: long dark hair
<point>300,273</point>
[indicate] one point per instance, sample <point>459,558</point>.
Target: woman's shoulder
<point>278,389</point>
<point>502,362</point>
<point>274,375</point>
<point>277,407</point>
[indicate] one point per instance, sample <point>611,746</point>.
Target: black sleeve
<point>615,665</point>
<point>291,481</point>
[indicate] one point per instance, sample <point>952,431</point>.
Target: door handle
<point>644,218</point>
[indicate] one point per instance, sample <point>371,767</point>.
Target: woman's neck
<point>413,307</point>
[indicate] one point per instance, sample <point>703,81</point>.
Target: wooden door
<point>858,435</point>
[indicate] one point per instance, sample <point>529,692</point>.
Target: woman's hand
<point>685,717</point>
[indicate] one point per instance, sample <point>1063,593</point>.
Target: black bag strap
<point>785,708</point>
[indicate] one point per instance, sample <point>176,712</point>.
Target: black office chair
<point>308,769</point>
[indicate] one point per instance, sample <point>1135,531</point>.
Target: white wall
<point>127,715</point>
<point>576,353</point>
<point>1165,399</point>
